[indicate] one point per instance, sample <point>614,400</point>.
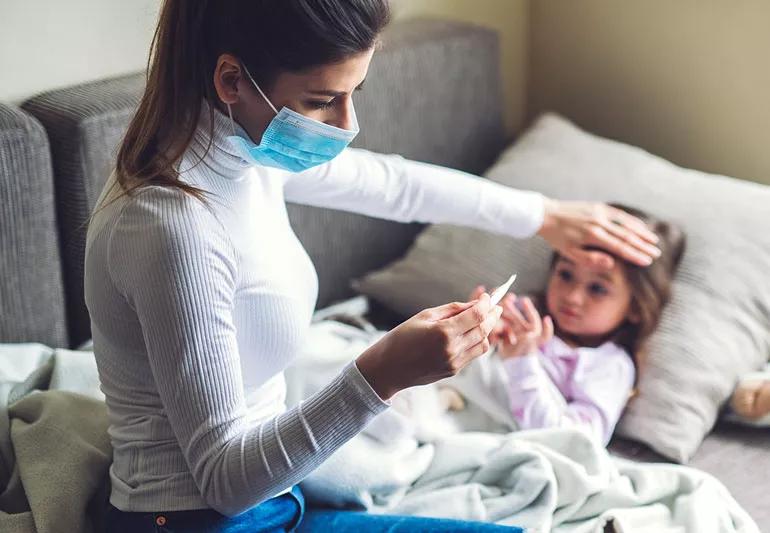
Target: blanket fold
<point>54,447</point>
<point>418,459</point>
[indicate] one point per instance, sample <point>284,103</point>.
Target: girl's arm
<point>597,395</point>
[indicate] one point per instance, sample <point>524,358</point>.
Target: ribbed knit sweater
<point>197,310</point>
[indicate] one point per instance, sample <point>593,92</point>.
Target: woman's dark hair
<point>268,36</point>
<point>650,286</point>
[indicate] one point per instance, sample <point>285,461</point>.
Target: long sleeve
<point>391,187</point>
<point>596,397</point>
<point>176,267</point>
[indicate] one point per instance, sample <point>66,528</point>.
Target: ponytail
<point>269,36</point>
<point>165,121</point>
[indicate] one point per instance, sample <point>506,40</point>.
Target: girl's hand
<point>434,344</point>
<point>526,332</point>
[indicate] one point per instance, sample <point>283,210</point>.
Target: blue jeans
<point>287,513</point>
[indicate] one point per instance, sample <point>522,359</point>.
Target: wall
<point>47,44</point>
<point>688,80</point>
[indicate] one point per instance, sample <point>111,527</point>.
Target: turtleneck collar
<point>221,157</point>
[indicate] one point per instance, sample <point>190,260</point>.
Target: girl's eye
<point>321,105</point>
<point>597,289</point>
<point>565,275</point>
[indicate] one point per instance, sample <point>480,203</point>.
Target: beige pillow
<point>717,326</point>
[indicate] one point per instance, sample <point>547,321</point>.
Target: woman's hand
<point>526,332</point>
<point>434,344</point>
<point>572,227</point>
<point>500,326</point>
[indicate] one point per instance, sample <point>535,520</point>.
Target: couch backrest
<point>433,93</point>
<point>31,291</point>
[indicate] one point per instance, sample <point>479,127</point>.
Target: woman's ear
<point>227,76</point>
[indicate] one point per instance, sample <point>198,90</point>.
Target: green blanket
<point>54,448</point>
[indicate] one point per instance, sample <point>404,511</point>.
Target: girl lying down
<point>572,354</point>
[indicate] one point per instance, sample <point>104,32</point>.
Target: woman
<point>200,293</point>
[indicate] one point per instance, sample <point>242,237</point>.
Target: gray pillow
<point>717,326</point>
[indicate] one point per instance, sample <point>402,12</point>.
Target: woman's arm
<point>174,264</point>
<point>391,187</point>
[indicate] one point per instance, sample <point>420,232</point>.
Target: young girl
<point>577,365</point>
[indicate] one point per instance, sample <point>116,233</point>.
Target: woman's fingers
<point>476,321</point>
<point>482,331</point>
<point>475,351</point>
<point>624,235</point>
<point>630,246</point>
<point>470,317</point>
<point>616,243</point>
<point>571,227</point>
<point>499,328</point>
<point>504,323</point>
<point>477,292</point>
<point>621,229</point>
<point>449,310</point>
<point>634,224</point>
<point>433,344</point>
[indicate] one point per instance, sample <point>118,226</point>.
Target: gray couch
<point>430,78</point>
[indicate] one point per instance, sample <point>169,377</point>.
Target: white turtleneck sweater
<point>196,311</point>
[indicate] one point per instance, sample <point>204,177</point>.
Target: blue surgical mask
<point>292,141</point>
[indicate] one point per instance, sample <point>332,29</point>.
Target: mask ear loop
<point>232,122</point>
<point>260,90</point>
<point>355,127</point>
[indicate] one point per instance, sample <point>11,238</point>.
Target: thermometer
<point>501,291</point>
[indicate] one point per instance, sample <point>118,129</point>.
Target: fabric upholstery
<point>31,292</point>
<point>84,125</point>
